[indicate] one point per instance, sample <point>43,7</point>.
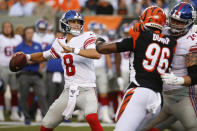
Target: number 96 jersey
<point>152,56</point>
<point>77,69</point>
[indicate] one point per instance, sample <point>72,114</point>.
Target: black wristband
<point>192,73</point>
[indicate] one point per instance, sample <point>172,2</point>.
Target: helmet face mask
<point>68,18</point>
<point>181,19</point>
<point>177,27</point>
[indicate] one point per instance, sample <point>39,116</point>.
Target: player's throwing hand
<point>67,49</point>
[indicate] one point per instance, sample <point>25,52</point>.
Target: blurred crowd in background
<point>49,76</point>
<point>49,8</point>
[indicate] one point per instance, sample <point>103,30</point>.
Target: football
<point>17,62</point>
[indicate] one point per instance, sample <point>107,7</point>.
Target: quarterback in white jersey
<point>77,51</point>
<point>78,70</point>
<point>179,91</point>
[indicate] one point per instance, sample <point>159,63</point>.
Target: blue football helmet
<point>71,15</point>
<point>112,35</point>
<point>184,14</point>
<point>124,30</point>
<point>41,24</point>
<point>96,27</point>
<point>93,25</point>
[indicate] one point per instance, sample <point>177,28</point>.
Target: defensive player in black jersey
<point>153,53</point>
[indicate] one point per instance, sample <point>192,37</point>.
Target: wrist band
<point>76,51</point>
<point>28,56</point>
<point>73,49</point>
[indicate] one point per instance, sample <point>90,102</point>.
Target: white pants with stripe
<point>134,111</point>
<point>86,101</point>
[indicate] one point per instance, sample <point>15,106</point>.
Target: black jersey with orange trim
<point>152,56</point>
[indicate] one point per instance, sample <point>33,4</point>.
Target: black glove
<point>99,41</point>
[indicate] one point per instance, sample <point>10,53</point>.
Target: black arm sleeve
<point>192,73</point>
<point>125,45</point>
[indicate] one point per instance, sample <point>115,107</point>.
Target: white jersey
<point>185,44</point>
<point>43,39</point>
<point>102,61</point>
<point>77,69</point>
<point>7,46</point>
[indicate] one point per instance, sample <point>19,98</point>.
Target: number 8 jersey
<point>152,54</point>
<point>77,69</point>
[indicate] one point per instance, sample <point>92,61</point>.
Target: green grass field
<point>37,128</point>
<point>9,125</point>
<point>19,126</point>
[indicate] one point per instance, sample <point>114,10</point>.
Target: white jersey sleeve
<point>56,49</point>
<point>85,41</point>
<point>90,40</point>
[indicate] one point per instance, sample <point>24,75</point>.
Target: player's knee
<point>48,123</point>
<point>91,110</point>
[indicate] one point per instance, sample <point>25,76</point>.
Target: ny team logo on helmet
<point>41,24</point>
<point>154,17</point>
<point>71,15</point>
<point>184,13</point>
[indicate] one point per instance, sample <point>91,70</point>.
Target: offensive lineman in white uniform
<point>77,52</point>
<point>179,90</point>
